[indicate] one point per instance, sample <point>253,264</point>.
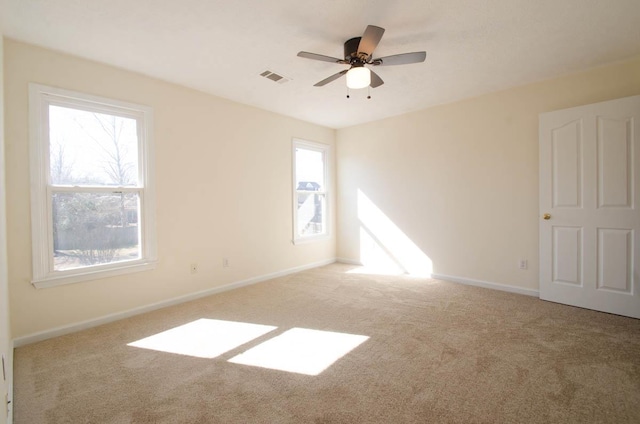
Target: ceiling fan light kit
<point>359,77</point>
<point>358,52</point>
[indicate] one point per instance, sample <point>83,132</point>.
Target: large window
<point>92,189</point>
<point>310,190</point>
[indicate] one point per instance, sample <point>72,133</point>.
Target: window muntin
<point>92,196</point>
<point>310,194</point>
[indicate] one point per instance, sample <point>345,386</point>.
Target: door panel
<point>567,255</point>
<point>589,183</point>
<point>615,259</point>
<point>567,165</point>
<point>615,163</point>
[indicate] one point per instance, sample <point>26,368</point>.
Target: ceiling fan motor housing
<point>351,49</point>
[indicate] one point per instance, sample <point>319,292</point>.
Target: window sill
<point>89,275</point>
<point>311,239</point>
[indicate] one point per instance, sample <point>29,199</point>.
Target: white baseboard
<point>9,376</point>
<point>72,328</point>
<point>467,281</point>
<point>348,261</point>
<point>487,284</point>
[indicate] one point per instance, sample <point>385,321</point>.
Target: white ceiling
<point>221,47</point>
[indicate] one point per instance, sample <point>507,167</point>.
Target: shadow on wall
<point>384,248</point>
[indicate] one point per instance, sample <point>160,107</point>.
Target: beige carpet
<point>436,352</point>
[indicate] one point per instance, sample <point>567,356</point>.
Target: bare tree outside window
<point>88,150</point>
<point>114,151</point>
<point>61,166</point>
<point>92,186</point>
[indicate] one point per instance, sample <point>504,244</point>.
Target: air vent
<point>275,77</point>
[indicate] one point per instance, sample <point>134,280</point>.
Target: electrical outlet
<point>522,264</point>
<point>225,262</point>
<point>194,268</point>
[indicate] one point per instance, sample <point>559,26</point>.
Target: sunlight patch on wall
<point>375,259</point>
<point>203,338</point>
<point>301,351</point>
<point>383,246</point>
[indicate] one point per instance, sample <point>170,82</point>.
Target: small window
<point>92,189</point>
<point>310,172</point>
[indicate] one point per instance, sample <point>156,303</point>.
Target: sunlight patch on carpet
<point>301,351</point>
<point>203,338</point>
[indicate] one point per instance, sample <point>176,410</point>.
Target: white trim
<point>487,284</point>
<point>83,325</point>
<point>311,239</point>
<point>39,171</point>
<point>325,149</point>
<point>461,280</point>
<point>116,268</point>
<point>466,281</point>
<point>5,331</point>
<point>12,346</point>
<point>349,261</point>
<point>40,97</point>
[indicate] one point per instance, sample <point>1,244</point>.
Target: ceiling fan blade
<point>331,78</point>
<point>376,81</point>
<point>323,58</point>
<point>400,59</point>
<point>370,40</point>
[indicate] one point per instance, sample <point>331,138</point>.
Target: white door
<point>589,212</point>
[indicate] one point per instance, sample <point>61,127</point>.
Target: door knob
<point>546,216</point>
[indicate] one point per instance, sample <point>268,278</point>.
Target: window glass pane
<point>309,169</point>
<point>311,210</point>
<point>88,148</point>
<point>94,228</point>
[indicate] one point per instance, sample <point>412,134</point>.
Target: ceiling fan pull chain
<point>348,92</point>
<point>369,92</point>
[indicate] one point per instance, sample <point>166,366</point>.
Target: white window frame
<point>40,97</point>
<point>325,149</point>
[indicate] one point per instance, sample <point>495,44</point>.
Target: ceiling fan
<point>358,52</point>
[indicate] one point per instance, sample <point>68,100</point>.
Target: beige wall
<point>6,346</point>
<point>460,181</point>
<point>223,190</point>
<point>455,184</point>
